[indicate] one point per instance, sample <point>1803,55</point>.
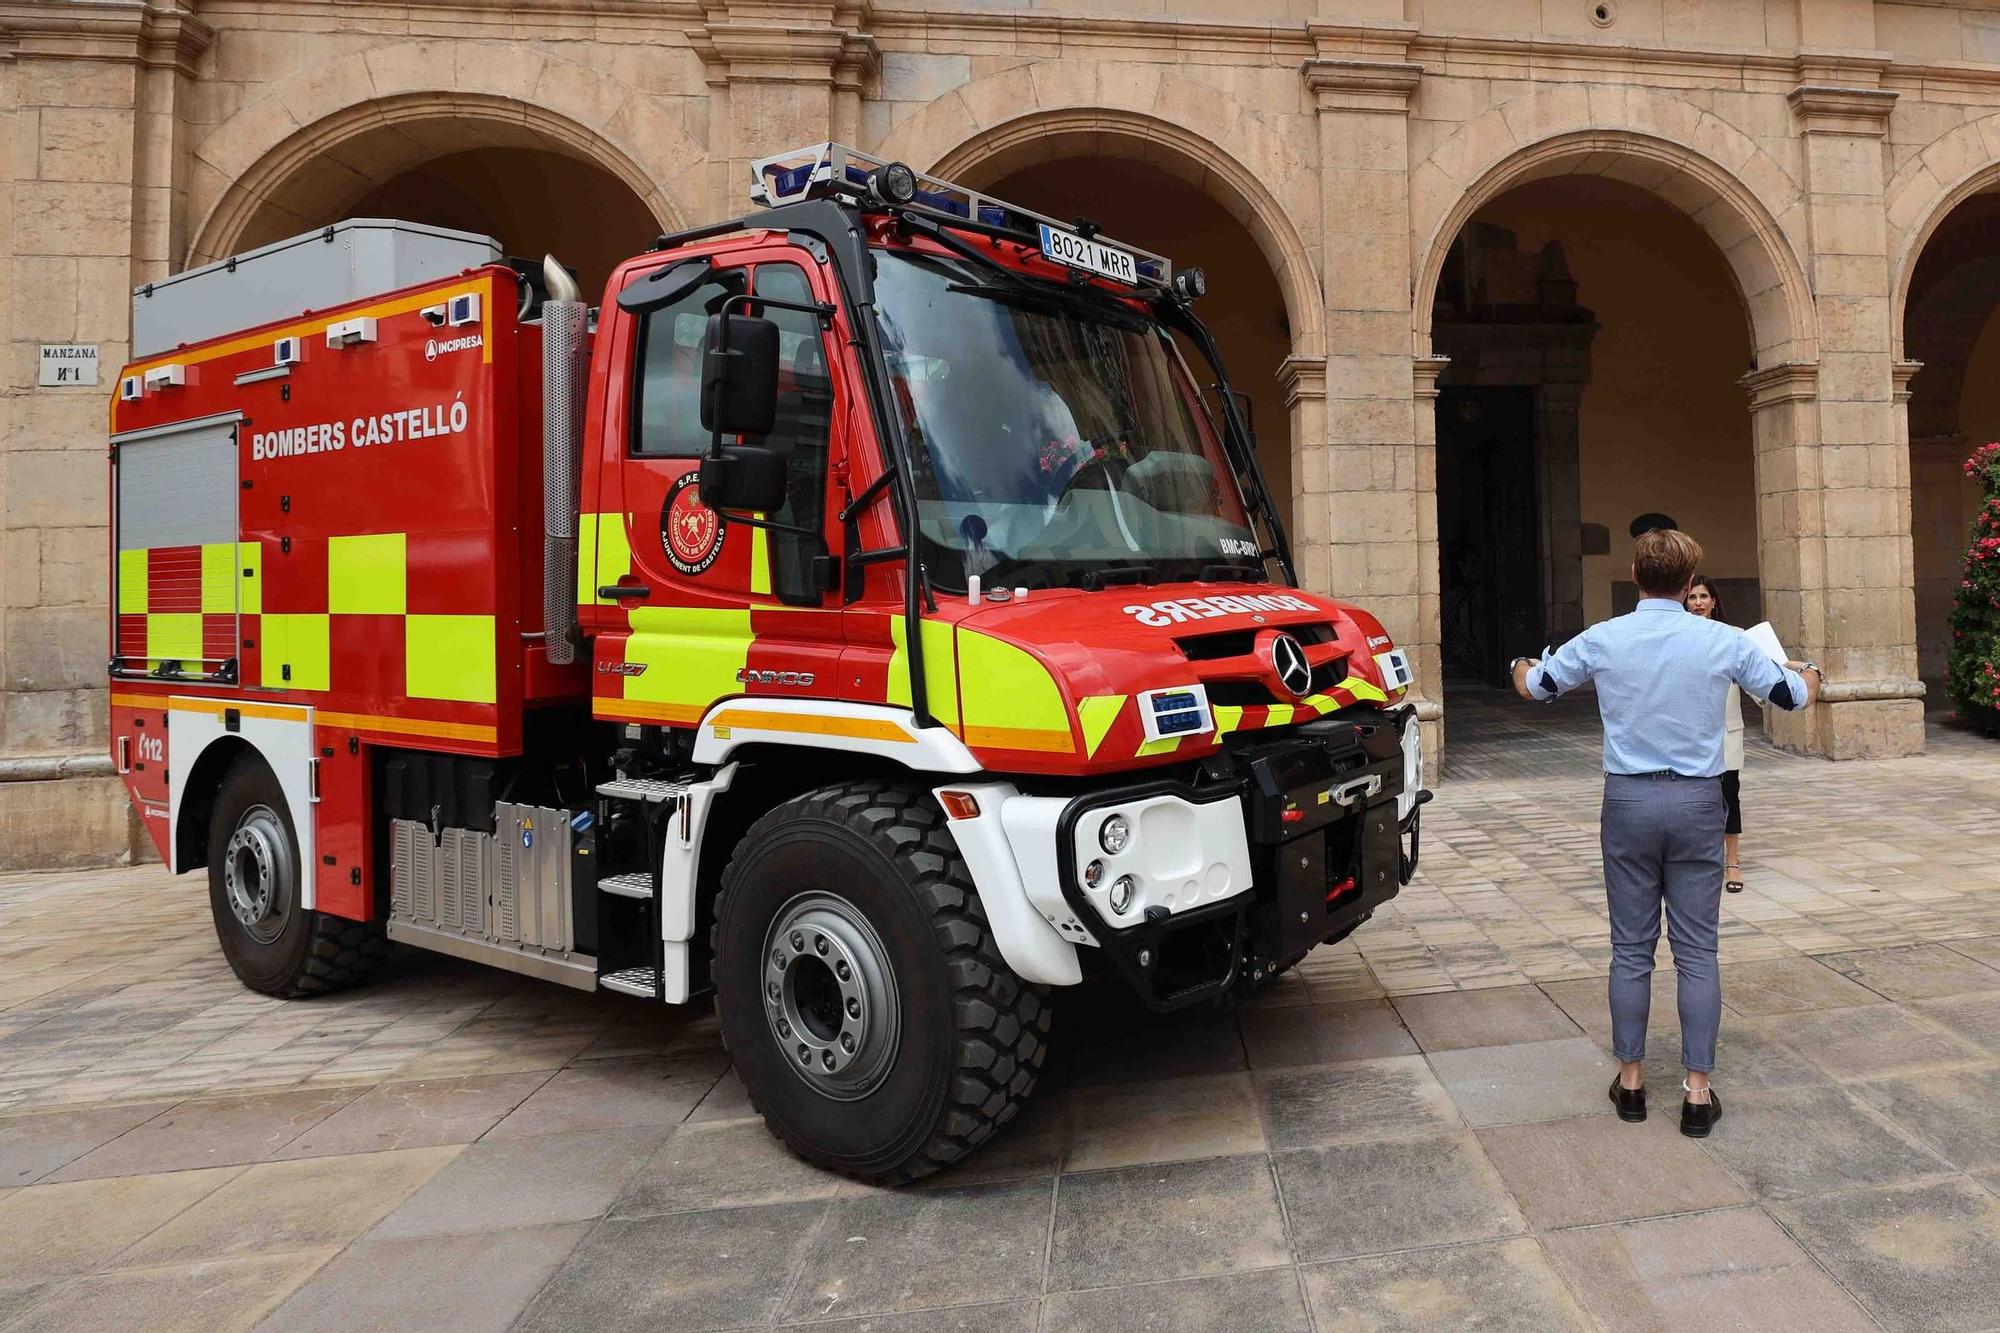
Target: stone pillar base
<point>1851,729</point>
<point>70,823</point>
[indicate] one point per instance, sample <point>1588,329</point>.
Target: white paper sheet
<point>1767,643</point>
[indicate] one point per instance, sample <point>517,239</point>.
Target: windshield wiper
<point>1230,574</point>
<point>1090,580</point>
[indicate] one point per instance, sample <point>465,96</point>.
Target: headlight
<point>1122,890</point>
<point>1115,836</point>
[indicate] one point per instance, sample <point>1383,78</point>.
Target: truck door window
<point>801,435</point>
<point>667,414</point>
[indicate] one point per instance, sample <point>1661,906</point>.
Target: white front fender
<point>1027,940</point>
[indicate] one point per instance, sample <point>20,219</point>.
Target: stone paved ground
<point>1411,1132</point>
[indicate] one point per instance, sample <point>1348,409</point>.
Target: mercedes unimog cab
<point>863,616</point>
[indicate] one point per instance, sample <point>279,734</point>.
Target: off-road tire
<point>973,1034</point>
<point>314,952</point>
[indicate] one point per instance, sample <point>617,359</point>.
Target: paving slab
<point>611,1094</point>
<point>1789,986</point>
<point>418,1114</point>
<point>1602,1169</point>
<point>722,1164</point>
<point>1163,1120</point>
<point>1121,1043</point>
<point>1268,1301</point>
<point>1451,1020</point>
<point>303,1205</point>
<point>63,1230</point>
<point>1319,1034</point>
<point>199,1298</point>
<point>221,1131</point>
<point>889,1251</point>
<point>1976,1018</point>
<point>1010,1317</point>
<point>681,1271</point>
<point>1396,1097</point>
<point>1794,1141</point>
<point>525,1183</point>
<point>1954,1111</point>
<point>1918,1257</point>
<point>1915,972</point>
<point>1979,948</point>
<point>1500,1287</point>
<point>1737,1267</point>
<point>1171,1220</point>
<point>1530,1080</point>
<point>1587,1003</point>
<point>1365,1198</point>
<point>16,1301</point>
<point>1873,1042</point>
<point>32,1146</point>
<point>727,1100</point>
<point>462,1283</point>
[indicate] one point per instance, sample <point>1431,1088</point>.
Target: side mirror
<point>743,477</point>
<point>739,376</point>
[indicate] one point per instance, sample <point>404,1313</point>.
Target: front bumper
<point>1321,809</point>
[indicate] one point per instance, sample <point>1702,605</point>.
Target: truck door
<point>717,608</point>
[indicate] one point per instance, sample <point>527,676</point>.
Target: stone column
<point>1424,374</point>
<point>781,75</point>
<point>1850,513</point>
<point>88,212</point>
<point>1366,507</point>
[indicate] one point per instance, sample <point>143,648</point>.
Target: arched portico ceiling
<point>1772,283</point>
<point>1057,109</point>
<point>1054,135</point>
<point>1925,192</point>
<point>339,158</point>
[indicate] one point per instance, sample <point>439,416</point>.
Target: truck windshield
<point>1055,441</point>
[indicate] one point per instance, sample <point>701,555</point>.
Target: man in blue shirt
<point>1663,679</point>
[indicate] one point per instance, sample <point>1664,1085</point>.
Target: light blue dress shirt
<point>1663,678</point>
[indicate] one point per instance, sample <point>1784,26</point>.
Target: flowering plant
<point>1972,674</point>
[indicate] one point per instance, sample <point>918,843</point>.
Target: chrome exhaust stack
<point>564,321</point>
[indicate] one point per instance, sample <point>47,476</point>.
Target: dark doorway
<point>1489,534</point>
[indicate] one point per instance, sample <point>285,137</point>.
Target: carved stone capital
<point>1826,109</point>
<point>1900,375</point>
<point>1424,373</point>
<point>1362,85</point>
<point>139,32</point>
<point>1303,378</point>
<point>748,42</point>
<point>1786,382</point>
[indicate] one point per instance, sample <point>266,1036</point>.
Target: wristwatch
<point>1517,662</point>
<point>1812,667</point>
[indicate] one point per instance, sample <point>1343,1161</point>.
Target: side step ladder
<point>663,798</point>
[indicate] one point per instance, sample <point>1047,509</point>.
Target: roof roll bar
<point>826,170</point>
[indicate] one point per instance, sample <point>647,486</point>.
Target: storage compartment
<point>317,270</point>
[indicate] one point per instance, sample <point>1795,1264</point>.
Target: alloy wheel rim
<point>830,998</point>
<point>257,874</point>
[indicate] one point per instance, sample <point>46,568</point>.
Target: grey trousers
<point>1662,838</point>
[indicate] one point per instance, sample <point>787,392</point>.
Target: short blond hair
<point>1663,561</point>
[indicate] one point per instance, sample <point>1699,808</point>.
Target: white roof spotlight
<point>893,183</point>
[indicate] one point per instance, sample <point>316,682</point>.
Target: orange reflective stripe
<point>410,726</point>
<point>217,707</point>
<point>1020,738</point>
<point>810,724</point>
<point>645,710</point>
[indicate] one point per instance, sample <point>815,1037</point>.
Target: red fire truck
<point>863,616</point>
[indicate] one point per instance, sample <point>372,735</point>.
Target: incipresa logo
<point>433,349</point>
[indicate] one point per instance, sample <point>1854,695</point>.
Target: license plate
<point>1067,248</point>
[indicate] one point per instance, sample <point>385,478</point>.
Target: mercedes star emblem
<point>1289,660</point>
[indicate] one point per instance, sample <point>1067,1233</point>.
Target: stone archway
<point>536,180</point>
<point>1758,279</point>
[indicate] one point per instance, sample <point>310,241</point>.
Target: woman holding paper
<point>1703,600</point>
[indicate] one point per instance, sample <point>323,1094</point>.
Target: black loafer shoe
<point>1631,1102</point>
<point>1697,1120</point>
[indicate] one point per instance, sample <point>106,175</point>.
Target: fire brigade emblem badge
<point>690,531</point>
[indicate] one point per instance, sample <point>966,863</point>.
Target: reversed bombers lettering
<point>1207,608</point>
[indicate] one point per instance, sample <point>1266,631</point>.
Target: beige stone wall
<point>1816,144</point>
